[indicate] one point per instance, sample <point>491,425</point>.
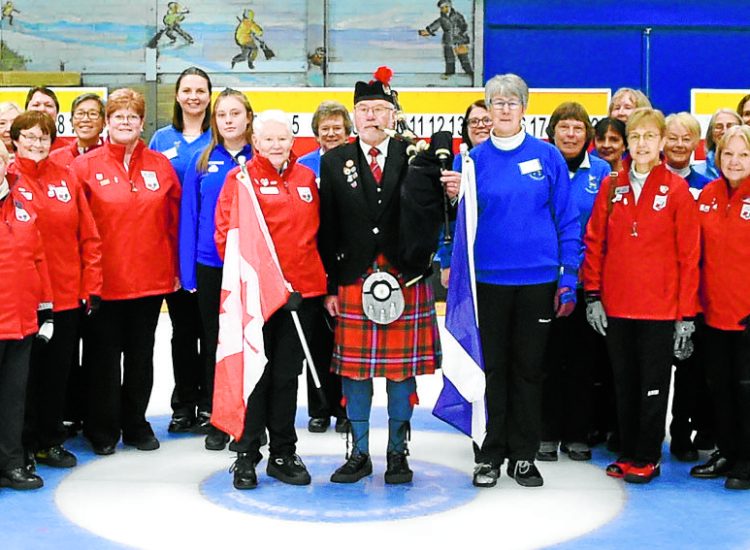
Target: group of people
<point>602,258</point>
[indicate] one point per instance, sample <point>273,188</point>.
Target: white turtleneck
<point>682,172</point>
<point>508,143</point>
<point>637,179</point>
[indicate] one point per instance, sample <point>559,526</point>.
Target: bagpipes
<point>425,207</point>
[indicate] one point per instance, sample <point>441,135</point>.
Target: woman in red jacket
<point>640,276</point>
<point>26,296</point>
<point>288,198</point>
<point>724,213</point>
<point>134,196</point>
<point>73,251</point>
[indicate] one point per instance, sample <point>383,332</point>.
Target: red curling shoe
<point>619,467</point>
<point>642,472</point>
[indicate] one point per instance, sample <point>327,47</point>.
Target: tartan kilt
<point>405,348</point>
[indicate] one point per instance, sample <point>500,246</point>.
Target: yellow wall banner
<point>427,110</point>
<point>65,95</point>
<point>705,102</point>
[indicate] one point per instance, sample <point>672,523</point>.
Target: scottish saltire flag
<point>461,402</point>
<point>252,289</point>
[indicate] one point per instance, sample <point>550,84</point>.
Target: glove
<point>92,305</point>
<point>46,324</point>
<point>596,316</point>
<point>565,302</point>
<point>294,301</point>
<point>683,330</point>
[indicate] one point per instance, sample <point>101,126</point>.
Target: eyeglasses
<point>91,115</point>
<point>477,122</point>
<point>42,140</point>
<point>377,111</point>
<point>501,104</point>
<point>648,137</point>
<point>121,119</point>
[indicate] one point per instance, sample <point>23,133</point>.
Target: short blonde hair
<point>688,121</point>
<point>644,115</point>
<point>639,98</point>
<point>741,131</point>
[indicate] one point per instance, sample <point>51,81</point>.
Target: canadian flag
<point>252,289</point>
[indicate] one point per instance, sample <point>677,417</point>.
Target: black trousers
<point>209,303</point>
<point>118,393</point>
<point>273,402</point>
<point>692,409</point>
<point>728,368</point>
<point>641,356</point>
<point>320,341</point>
<point>573,353</point>
<point>514,325</point>
<point>187,360</point>
<point>14,371</point>
<point>48,381</point>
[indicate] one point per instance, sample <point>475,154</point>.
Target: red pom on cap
<point>383,74</point>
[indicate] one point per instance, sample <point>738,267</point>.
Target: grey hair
<point>6,106</point>
<point>508,85</point>
<point>271,115</point>
<point>710,143</point>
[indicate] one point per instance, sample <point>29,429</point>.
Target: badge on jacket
<point>745,212</point>
<point>305,194</point>
<point>62,192</point>
<point>350,171</point>
<point>531,168</point>
<point>26,193</point>
<point>660,202</point>
<point>21,214</point>
<point>150,180</point>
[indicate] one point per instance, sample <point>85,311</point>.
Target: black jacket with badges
<point>358,222</point>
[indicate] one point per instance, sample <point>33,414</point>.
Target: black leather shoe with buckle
<point>397,470</point>
<point>357,466</point>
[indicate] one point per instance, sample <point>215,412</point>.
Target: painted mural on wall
<point>263,40</point>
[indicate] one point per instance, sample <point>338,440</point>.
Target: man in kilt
<point>359,240</point>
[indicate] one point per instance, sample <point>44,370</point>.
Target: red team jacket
<point>65,156</point>
<point>291,207</point>
<point>23,269</point>
<point>71,241</point>
<point>725,266</point>
<point>644,258</point>
<point>137,212</point>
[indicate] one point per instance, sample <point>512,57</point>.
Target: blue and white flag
<point>462,400</point>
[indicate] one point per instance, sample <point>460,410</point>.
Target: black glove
<point>294,301</point>
<point>46,322</point>
<point>93,304</point>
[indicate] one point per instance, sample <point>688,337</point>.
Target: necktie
<point>377,173</point>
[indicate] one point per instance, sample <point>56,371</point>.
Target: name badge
<point>26,193</point>
<point>212,168</point>
<point>269,190</point>
<point>150,180</point>
<point>170,153</point>
<point>530,166</point>
<point>622,189</point>
<point>704,208</point>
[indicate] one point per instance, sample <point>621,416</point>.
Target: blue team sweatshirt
<point>172,144</point>
<point>200,192</point>
<point>528,226</point>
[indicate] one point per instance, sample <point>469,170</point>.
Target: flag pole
<point>295,316</point>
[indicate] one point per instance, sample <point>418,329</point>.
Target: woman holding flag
<point>258,275</point>
<point>523,207</point>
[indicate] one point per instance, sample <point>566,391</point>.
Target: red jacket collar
<point>262,163</point>
<point>28,167</point>
<point>117,151</point>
